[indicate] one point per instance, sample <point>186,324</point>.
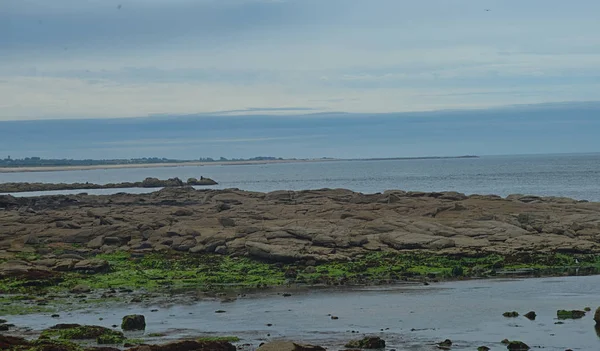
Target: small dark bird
<point>487,10</point>
<point>119,7</point>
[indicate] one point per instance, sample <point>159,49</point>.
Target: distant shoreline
<point>28,169</point>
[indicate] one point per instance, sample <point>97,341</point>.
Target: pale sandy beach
<point>150,165</point>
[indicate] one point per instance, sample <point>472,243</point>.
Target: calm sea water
<point>576,176</point>
<point>408,318</point>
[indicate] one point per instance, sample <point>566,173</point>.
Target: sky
<point>535,129</point>
<point>81,59</point>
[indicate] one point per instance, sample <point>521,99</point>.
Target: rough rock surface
<point>188,345</point>
<point>146,183</point>
<point>316,225</point>
<point>134,322</point>
<point>288,346</point>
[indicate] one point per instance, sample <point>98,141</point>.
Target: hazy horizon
<point>534,129</point>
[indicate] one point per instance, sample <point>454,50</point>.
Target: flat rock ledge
<point>146,183</point>
<point>287,226</point>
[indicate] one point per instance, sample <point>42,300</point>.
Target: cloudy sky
<point>128,58</point>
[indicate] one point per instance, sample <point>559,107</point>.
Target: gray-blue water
<point>407,317</point>
<point>576,176</point>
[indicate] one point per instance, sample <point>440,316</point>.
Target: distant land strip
<point>77,165</point>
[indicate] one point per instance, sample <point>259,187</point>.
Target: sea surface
<point>407,317</point>
<point>576,176</point>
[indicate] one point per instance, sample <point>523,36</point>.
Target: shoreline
<point>150,165</point>
<point>28,169</point>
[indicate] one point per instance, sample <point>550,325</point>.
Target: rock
<point>530,315</point>
<point>369,342</point>
<point>227,222</point>
<point>483,348</point>
<point>112,241</point>
<point>102,335</point>
<point>134,322</point>
<point>512,314</point>
<point>295,226</point>
<point>96,243</point>
<point>517,346</point>
<point>188,345</point>
<point>4,327</point>
<point>64,265</point>
<point>92,266</point>
<point>445,345</point>
<point>71,256</point>
<point>221,250</point>
<point>573,314</point>
<point>223,207</point>
<point>8,342</point>
<point>310,270</point>
<point>597,316</point>
<point>288,346</point>
<point>24,271</point>
<point>81,289</point>
<point>152,183</point>
<point>183,212</point>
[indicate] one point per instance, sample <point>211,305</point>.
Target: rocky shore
<point>285,226</point>
<point>208,240</point>
<point>136,248</point>
<point>146,183</point>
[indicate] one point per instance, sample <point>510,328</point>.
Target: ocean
<point>575,175</point>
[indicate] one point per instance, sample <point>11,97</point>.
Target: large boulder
<point>133,322</point>
<point>517,346</point>
<point>597,316</point>
<point>288,346</point>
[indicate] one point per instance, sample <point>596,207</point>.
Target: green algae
<point>17,305</point>
<point>179,272</point>
<point>48,344</point>
<point>102,335</point>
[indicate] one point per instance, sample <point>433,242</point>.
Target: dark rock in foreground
<point>517,346</point>
<point>188,345</point>
<point>133,322</point>
<point>288,346</point>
